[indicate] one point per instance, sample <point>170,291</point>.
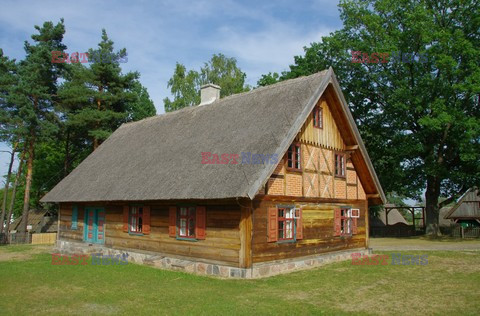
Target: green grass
<point>448,284</point>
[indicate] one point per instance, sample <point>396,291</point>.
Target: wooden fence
<point>44,238</point>
<point>466,232</point>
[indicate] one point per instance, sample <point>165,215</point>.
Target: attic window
<point>294,156</point>
<point>340,165</point>
<point>318,117</point>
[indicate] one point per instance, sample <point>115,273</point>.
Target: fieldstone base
<point>258,270</point>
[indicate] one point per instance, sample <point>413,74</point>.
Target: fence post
<point>462,233</point>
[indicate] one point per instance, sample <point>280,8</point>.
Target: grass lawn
<point>448,284</point>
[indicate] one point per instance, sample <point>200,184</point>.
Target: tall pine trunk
<point>66,162</point>
<point>432,210</point>
<point>7,184</point>
<point>28,182</point>
<point>14,190</point>
<point>96,142</point>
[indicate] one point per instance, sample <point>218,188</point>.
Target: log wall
<point>222,242</point>
<point>318,229</point>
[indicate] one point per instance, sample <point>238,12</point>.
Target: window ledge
<point>287,241</point>
<point>136,234</point>
<point>186,239</point>
<point>294,170</point>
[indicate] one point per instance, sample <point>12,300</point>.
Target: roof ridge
<point>236,95</point>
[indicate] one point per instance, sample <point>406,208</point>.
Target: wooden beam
<point>367,226</point>
<point>351,148</point>
<point>245,255</point>
<point>373,196</point>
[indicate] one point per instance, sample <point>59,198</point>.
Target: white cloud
<point>263,35</point>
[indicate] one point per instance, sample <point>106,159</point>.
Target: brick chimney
<point>209,93</point>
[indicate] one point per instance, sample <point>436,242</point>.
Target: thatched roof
<point>442,220</point>
<point>159,158</point>
<point>467,207</point>
<point>40,220</point>
<point>394,217</point>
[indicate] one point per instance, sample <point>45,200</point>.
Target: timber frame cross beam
<point>411,209</point>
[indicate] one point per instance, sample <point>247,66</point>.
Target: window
<point>186,222</point>
<point>340,165</point>
<point>74,217</point>
<point>293,157</point>
<point>346,222</point>
<point>318,117</point>
<point>136,219</point>
<point>286,223</point>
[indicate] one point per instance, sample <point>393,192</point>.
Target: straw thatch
<point>160,158</point>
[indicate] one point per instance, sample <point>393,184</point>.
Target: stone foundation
<point>258,270</point>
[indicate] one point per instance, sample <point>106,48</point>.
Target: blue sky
<point>262,35</point>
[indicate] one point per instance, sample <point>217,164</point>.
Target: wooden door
<point>94,225</point>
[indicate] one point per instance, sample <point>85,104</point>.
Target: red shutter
<point>337,219</point>
<point>299,214</point>
<point>146,220</point>
<point>354,226</point>
<point>172,221</point>
<point>200,222</point>
<point>272,227</point>
<point>126,209</point>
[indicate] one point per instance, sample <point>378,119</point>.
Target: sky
<point>262,35</point>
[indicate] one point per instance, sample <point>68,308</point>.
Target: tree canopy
<point>418,106</point>
<point>185,85</point>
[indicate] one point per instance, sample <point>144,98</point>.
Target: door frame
<point>94,239</point>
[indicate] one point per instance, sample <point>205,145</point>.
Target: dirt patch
<point>19,253</point>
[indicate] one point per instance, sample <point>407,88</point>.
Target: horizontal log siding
<point>318,233</point>
<point>222,242</point>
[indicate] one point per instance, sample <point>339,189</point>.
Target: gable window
<point>186,222</point>
<point>294,156</point>
<point>136,219</point>
<point>340,165</point>
<point>345,220</point>
<point>74,217</point>
<point>284,224</point>
<point>318,117</point>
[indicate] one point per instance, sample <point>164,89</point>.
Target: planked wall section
<point>318,230</point>
<point>222,243</point>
